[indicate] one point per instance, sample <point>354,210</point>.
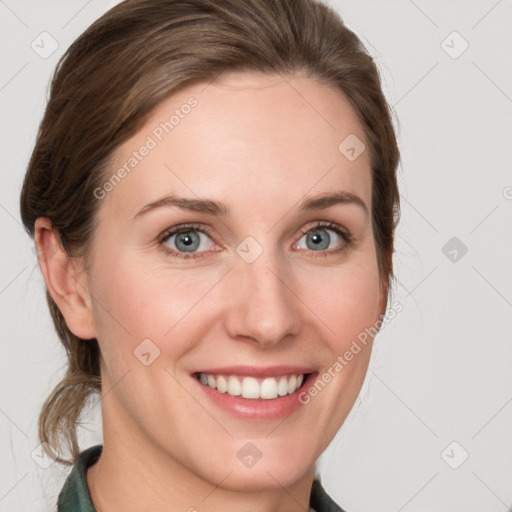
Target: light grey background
<point>441,370</point>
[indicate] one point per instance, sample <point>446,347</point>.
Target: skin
<point>261,145</point>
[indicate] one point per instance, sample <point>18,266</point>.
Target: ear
<point>65,279</point>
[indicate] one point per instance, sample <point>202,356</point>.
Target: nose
<point>262,307</point>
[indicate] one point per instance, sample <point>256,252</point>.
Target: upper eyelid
<point>167,233</point>
<point>333,226</point>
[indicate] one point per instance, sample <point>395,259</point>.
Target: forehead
<point>243,139</point>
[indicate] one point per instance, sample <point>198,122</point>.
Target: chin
<point>263,464</point>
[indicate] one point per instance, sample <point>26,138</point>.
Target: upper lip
<point>257,371</point>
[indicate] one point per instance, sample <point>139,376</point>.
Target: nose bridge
<point>264,307</point>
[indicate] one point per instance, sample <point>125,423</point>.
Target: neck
<point>135,474</point>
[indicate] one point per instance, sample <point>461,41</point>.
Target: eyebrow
<point>327,200</point>
<point>221,210</point>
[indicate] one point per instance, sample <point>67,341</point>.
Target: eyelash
<point>345,235</point>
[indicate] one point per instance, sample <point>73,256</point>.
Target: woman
<point>213,198</point>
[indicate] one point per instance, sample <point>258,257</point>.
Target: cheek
<point>136,302</point>
<point>344,299</point>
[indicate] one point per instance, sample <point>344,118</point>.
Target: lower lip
<point>260,408</point>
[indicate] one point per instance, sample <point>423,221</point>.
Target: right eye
<point>185,241</point>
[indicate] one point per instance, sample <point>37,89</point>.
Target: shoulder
<point>320,501</point>
<point>74,496</point>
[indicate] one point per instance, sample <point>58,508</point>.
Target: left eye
<point>320,239</point>
<point>189,241</point>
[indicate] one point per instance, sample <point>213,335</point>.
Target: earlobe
<point>65,279</point>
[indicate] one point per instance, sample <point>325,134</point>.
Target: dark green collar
<point>75,497</point>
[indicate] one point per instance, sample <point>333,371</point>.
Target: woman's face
<point>269,282</point>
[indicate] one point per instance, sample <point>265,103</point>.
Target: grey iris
<point>187,241</point>
<point>318,239</point>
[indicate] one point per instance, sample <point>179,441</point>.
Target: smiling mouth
<point>267,388</point>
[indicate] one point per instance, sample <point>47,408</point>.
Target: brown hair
<point>112,77</point>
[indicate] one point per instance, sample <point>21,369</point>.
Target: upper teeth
<point>251,387</point>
